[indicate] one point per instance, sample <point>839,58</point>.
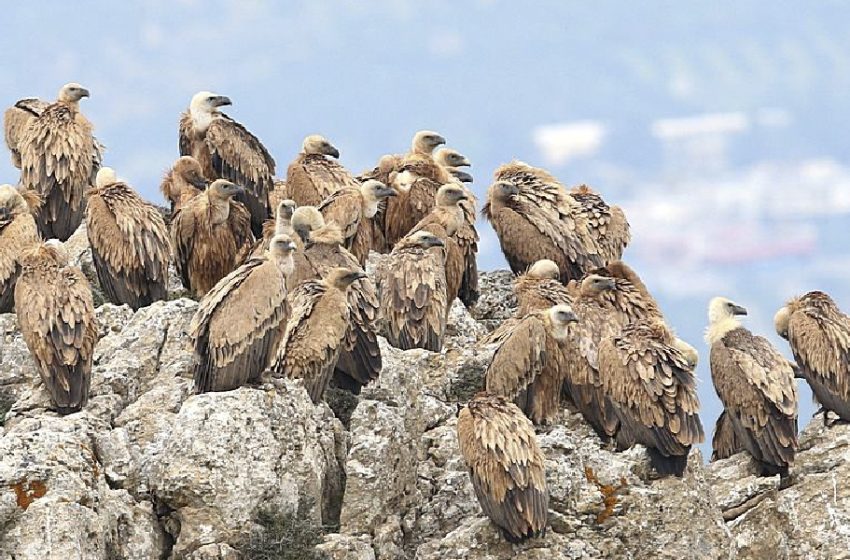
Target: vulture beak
<point>462,176</point>
<point>570,317</point>
<point>221,100</point>
<point>464,162</point>
<point>291,246</point>
<point>738,310</point>
<point>4,213</point>
<point>359,275</point>
<point>332,151</point>
<point>440,140</point>
<point>199,182</point>
<point>84,93</point>
<point>463,196</point>
<point>437,242</point>
<point>387,192</point>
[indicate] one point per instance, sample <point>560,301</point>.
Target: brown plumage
<point>540,288</point>
<point>653,391</point>
<point>360,358</point>
<point>129,243</point>
<point>239,323</point>
<point>16,119</point>
<point>725,443</point>
<point>819,335</point>
<point>384,173</point>
<point>225,149</point>
<point>757,388</point>
<point>210,235</point>
<point>59,160</point>
<point>53,302</point>
<point>312,176</point>
<point>630,298</point>
<point>506,466</point>
<point>352,209</point>
<point>607,224</point>
<point>183,182</point>
<point>316,330</point>
<point>18,232</point>
<point>529,365</point>
<point>281,224</point>
<point>417,180</point>
<point>535,218</point>
<point>412,290</point>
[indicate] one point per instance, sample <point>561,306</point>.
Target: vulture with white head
<point>314,174</point>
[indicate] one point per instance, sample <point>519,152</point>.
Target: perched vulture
<point>819,335</point>
<point>653,391</point>
<point>183,182</point>
<point>360,358</point>
<point>757,388</point>
<point>352,208</point>
<point>529,365</point>
<point>506,465</point>
<point>227,150</point>
<point>629,299</point>
<point>129,243</point>
<point>412,289</point>
<point>540,288</point>
<point>239,323</point>
<point>417,180</point>
<point>607,224</point>
<point>725,443</point>
<point>451,159</point>
<point>535,218</point>
<point>16,120</point>
<point>56,316</point>
<point>18,233</point>
<point>59,160</point>
<point>316,330</point>
<point>281,224</point>
<point>312,177</point>
<point>210,235</point>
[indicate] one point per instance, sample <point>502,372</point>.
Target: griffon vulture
<point>412,289</point>
<point>59,160</point>
<point>210,235</point>
<point>540,288</point>
<point>352,208</point>
<point>16,120</point>
<point>129,243</point>
<point>312,177</point>
<point>316,330</point>
<point>535,218</point>
<point>506,465</point>
<point>653,391</point>
<point>18,232</point>
<point>529,365</point>
<point>239,323</point>
<point>360,358</point>
<point>227,150</point>
<point>56,316</point>
<point>452,161</point>
<point>281,224</point>
<point>630,298</point>
<point>607,224</point>
<point>819,335</point>
<point>183,182</point>
<point>418,179</point>
<point>757,388</point>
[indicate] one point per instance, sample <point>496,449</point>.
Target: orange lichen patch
<point>28,493</point>
<point>609,494</point>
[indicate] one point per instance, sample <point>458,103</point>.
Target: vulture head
<point>503,191</point>
<point>222,189</point>
<point>285,209</point>
<point>595,284</point>
<point>207,102</point>
<point>780,321</point>
<point>425,239</point>
<point>425,141</point>
<point>721,318</point>
<point>560,317</point>
<point>448,157</point>
<point>305,220</point>
<point>375,190</point>
<point>450,195</point>
<point>342,278</point>
<point>461,176</point>
<point>544,268</point>
<point>12,202</point>
<point>105,176</point>
<point>281,248</point>
<point>56,251</point>
<point>72,93</point>
<point>188,169</point>
<point>317,144</point>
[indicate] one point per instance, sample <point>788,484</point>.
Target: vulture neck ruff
<point>202,117</point>
<point>720,328</point>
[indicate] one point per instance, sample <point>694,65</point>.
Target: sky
<point>719,127</point>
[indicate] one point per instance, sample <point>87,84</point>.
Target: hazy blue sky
<point>719,126</point>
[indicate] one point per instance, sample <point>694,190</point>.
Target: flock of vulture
<point>278,267</point>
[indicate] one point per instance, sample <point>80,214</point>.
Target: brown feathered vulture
<point>227,150</point>
<point>417,180</point>
<point>352,209</point>
<point>607,224</point>
<point>183,182</point>
<point>540,288</point>
<point>757,388</point>
<point>210,236</point>
<point>18,232</point>
<point>452,161</point>
<point>360,358</point>
<point>535,218</point>
<point>280,224</point>
<point>529,365</point>
<point>53,302</point>
<point>312,176</point>
<point>506,465</point>
<point>315,332</point>
<point>819,335</point>
<point>239,323</point>
<point>129,243</point>
<point>653,391</point>
<point>59,160</point>
<point>412,291</point>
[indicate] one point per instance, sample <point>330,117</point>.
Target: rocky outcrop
<point>151,471</point>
